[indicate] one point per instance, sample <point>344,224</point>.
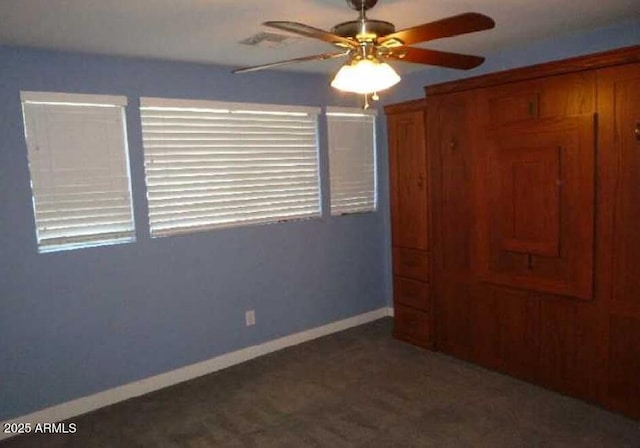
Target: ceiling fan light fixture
<point>365,76</point>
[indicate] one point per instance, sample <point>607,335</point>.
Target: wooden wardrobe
<point>515,201</point>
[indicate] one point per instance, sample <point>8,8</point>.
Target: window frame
<point>336,111</point>
<point>233,109</point>
<point>127,232</point>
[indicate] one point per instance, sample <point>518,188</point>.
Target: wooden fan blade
<point>316,57</point>
<point>469,22</point>
<point>315,33</point>
<point>435,57</point>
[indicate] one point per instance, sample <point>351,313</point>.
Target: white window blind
<point>79,169</point>
<point>352,148</point>
<point>211,164</point>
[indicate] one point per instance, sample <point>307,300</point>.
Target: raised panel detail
<point>535,207</point>
<point>529,198</point>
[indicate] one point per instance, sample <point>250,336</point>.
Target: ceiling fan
<point>368,43</point>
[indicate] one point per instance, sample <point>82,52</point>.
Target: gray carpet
<point>358,388</point>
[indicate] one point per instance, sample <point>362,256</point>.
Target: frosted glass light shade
<point>365,77</point>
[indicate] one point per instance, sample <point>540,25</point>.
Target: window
<point>77,150</point>
<point>211,164</point>
<point>351,135</point>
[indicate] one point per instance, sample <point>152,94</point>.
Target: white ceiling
<point>208,31</point>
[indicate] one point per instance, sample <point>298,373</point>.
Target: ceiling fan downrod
<point>363,28</point>
<point>361,5</point>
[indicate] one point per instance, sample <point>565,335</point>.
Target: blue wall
<point>78,322</point>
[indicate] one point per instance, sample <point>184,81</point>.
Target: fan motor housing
<point>353,28</point>
<point>361,5</point>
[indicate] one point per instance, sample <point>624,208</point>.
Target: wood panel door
<point>619,104</point>
<point>408,177</point>
<point>450,152</point>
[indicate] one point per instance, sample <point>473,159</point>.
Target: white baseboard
<point>108,397</point>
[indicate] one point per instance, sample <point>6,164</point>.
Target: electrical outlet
<point>250,317</point>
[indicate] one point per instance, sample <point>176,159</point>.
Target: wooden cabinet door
<point>450,155</point>
<point>619,105</point>
<point>450,143</point>
<point>408,177</point>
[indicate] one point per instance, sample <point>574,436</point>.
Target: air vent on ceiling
<point>268,40</point>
